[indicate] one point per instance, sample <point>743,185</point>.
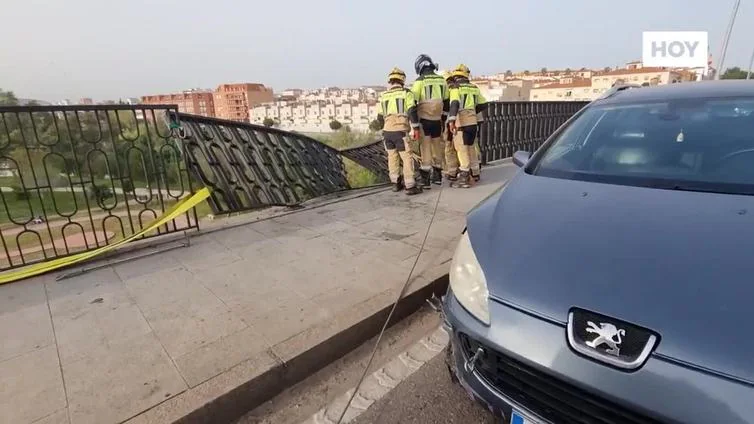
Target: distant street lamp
<point>728,32</point>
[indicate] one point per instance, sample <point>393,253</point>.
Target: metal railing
<point>251,166</point>
<point>512,126</point>
<point>75,178</point>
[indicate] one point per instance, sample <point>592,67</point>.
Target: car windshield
<point>687,144</point>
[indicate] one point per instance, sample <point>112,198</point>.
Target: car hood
<point>679,263</point>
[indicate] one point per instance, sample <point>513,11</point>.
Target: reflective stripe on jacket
<point>431,93</point>
<point>465,102</point>
<point>398,108</point>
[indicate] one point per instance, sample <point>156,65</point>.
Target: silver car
<point>611,280</point>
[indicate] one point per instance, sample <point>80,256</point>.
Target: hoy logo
<point>686,49</point>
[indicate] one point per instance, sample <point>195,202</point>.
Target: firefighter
<point>431,93</point>
<point>397,110</point>
<point>465,102</point>
<point>450,163</point>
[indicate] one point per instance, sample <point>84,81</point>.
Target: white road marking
<point>404,365</point>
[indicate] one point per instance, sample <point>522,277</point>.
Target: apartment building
<point>573,89</point>
<point>509,90</point>
<point>194,102</point>
<point>292,92</point>
<point>587,89</point>
<point>637,74</point>
<point>233,101</point>
<point>315,116</point>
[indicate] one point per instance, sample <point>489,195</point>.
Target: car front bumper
<point>661,391</point>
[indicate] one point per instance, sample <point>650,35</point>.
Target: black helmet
<point>422,62</point>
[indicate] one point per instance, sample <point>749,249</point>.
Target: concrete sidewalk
<point>153,339</point>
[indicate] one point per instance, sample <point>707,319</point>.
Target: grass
<point>120,228</point>
<point>357,175</point>
<point>21,210</point>
<point>344,139</point>
<point>203,209</point>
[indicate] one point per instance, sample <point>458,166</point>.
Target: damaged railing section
<point>370,156</point>
<point>250,166</point>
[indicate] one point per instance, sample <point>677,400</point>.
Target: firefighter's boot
<point>413,190</point>
<point>462,181</point>
<point>436,177</point>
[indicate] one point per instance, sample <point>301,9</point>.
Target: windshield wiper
<point>705,187</point>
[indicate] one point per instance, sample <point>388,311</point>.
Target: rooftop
<point>645,70</point>
<point>688,90</point>
<point>575,84</point>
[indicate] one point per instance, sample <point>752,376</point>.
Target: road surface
<point>427,396</point>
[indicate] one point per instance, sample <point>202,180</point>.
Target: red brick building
<point>194,102</point>
<point>233,101</point>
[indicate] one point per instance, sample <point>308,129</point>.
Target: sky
<point>105,49</point>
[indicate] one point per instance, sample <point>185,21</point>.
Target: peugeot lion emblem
<point>606,334</point>
<point>610,340</point>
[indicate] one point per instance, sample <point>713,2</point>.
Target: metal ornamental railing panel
<point>250,166</point>
<point>512,126</point>
<point>75,178</point>
<point>371,156</point>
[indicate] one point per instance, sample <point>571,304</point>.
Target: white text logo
<point>675,48</point>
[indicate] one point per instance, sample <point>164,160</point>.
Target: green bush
<point>127,185</point>
<point>99,193</point>
<point>59,181</point>
<point>20,193</point>
<point>375,125</point>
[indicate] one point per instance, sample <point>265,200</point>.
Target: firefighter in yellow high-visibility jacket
<point>450,162</point>
<point>431,93</point>
<point>397,109</point>
<point>465,102</point>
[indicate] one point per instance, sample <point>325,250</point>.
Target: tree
<point>526,72</point>
<point>335,125</point>
<point>543,70</point>
<point>7,98</point>
<point>508,73</point>
<point>607,69</point>
<point>734,73</point>
<point>268,122</point>
<point>375,125</point>
<point>568,71</point>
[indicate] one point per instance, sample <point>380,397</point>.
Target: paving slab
<point>116,382</point>
<point>31,386</point>
<point>57,417</point>
<point>198,333</point>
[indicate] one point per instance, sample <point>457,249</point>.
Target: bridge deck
<point>179,328</point>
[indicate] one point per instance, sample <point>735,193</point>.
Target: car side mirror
<point>520,158</point>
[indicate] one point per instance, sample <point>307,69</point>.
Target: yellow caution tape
<point>179,208</point>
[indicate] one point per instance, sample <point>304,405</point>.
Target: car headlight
<point>467,281</point>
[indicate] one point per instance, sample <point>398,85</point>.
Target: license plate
<point>519,418</point>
